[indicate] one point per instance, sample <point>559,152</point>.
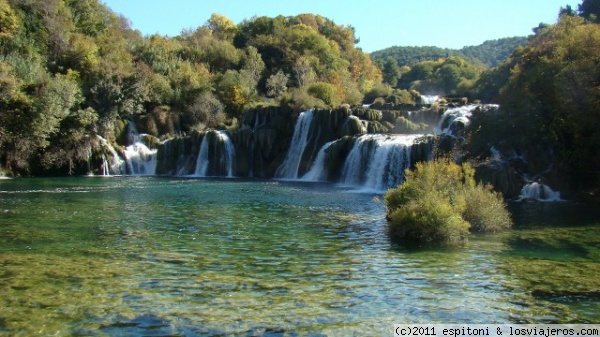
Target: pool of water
<point>201,257</point>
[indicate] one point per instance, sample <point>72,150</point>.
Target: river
<point>143,256</point>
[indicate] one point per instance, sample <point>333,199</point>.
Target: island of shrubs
<point>440,202</point>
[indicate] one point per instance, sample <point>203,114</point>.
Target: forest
<point>73,70</point>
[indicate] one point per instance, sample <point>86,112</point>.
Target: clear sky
<point>379,23</point>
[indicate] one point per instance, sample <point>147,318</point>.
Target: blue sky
<point>379,23</point>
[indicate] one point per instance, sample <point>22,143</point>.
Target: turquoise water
<point>199,257</point>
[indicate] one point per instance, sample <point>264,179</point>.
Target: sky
<point>378,24</point>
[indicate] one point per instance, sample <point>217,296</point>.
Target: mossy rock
<point>376,127</point>
<point>336,156</point>
<point>368,114</point>
<point>352,126</point>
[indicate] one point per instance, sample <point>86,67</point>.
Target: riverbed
<point>145,256</point>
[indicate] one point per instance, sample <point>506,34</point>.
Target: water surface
<point>208,257</point>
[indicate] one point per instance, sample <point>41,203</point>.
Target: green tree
<point>252,69</point>
<point>222,27</point>
<point>325,92</point>
<point>9,22</point>
<point>277,84</point>
<point>391,72</point>
<point>548,92</point>
<point>590,9</point>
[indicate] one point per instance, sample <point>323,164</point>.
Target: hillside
<point>74,71</point>
<point>490,53</point>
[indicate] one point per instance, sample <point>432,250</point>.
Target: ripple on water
<point>172,257</point>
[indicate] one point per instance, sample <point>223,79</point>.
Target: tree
<point>252,69</point>
<point>590,9</point>
<point>222,27</point>
<point>391,72</point>
<point>325,92</point>
<point>549,98</point>
<point>277,84</point>
<point>304,71</point>
<point>9,23</point>
<point>207,111</point>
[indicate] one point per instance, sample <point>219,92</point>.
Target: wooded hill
<point>489,53</point>
<point>72,70</point>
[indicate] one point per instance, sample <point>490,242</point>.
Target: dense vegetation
<point>549,96</point>
<point>72,70</point>
<point>490,53</point>
<point>433,70</point>
<point>440,202</point>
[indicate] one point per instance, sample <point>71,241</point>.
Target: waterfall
<point>105,166</point>
<point>429,99</point>
<point>377,162</point>
<point>216,156</point>
<point>539,192</point>
<point>202,161</point>
<point>289,167</point>
<point>115,165</point>
<point>354,166</point>
<point>141,160</point>
<point>317,171</point>
<point>455,119</point>
<point>389,161</point>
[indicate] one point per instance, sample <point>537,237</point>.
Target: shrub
<point>429,218</point>
<point>300,100</point>
<point>325,92</point>
<point>440,202</point>
<point>485,210</point>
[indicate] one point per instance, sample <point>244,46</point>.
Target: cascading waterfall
<point>113,165</point>
<point>389,161</point>
<point>289,168</point>
<point>539,192</point>
<point>429,99</point>
<point>105,166</point>
<point>455,119</point>
<point>377,162</point>
<point>317,171</point>
<point>141,160</point>
<point>216,156</point>
<point>356,162</point>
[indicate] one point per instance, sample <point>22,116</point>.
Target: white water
<point>289,167</point>
<point>429,99</point>
<point>226,162</point>
<point>317,171</point>
<point>452,117</point>
<point>113,165</point>
<point>539,192</point>
<point>105,166</point>
<point>377,162</point>
<point>141,160</point>
<point>230,153</point>
<point>203,160</point>
<point>389,161</point>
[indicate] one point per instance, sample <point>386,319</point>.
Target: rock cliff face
<point>357,147</point>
